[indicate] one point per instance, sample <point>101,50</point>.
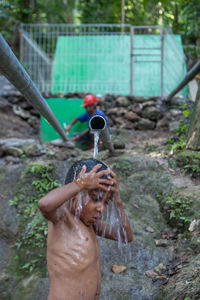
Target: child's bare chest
<point>73,248</point>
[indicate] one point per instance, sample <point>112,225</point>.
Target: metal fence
<point>103,58</point>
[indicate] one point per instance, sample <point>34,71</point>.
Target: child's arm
<point>105,230</point>
<point>75,138</point>
<point>52,201</point>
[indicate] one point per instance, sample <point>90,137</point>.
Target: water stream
<point>96,140</point>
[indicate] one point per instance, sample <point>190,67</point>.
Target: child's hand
<point>115,187</point>
<point>92,179</point>
<point>67,128</point>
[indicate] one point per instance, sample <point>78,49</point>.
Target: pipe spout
<point>98,124</point>
<point>11,68</point>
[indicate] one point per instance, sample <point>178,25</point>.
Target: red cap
<point>89,99</point>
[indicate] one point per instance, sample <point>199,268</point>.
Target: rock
<point>12,159</point>
<point>161,243</point>
<point>10,222</point>
<point>118,269</point>
<point>119,121</point>
<point>185,283</point>
<point>127,125</point>
<point>163,123</point>
<point>149,229</point>
<point>1,152</point>
<point>14,151</point>
<point>4,276</point>
<point>34,112</point>
<point>118,143</point>
<point>15,142</point>
<point>17,147</point>
<point>194,226</point>
<point>26,105</point>
<point>148,103</point>
<point>175,112</point>
<point>17,110</point>
<point>152,113</point>
<point>177,100</point>
<point>122,101</point>
<point>121,111</point>
<point>174,125</point>
<point>144,124</point>
<point>33,149</point>
<point>34,122</point>
<point>5,106</point>
<point>137,108</point>
<point>29,280</point>
<point>160,269</point>
<point>112,111</point>
<point>60,143</point>
<point>151,274</point>
<point>131,116</point>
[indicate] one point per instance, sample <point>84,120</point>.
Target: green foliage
<point>177,210</point>
<point>175,144</point>
<point>123,168</point>
<point>194,169</point>
<point>182,16</point>
<point>189,161</point>
<point>178,142</point>
<point>33,227</point>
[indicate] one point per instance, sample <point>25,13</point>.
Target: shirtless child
<point>74,214</point>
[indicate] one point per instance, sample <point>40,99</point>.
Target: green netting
<point>146,65</point>
<point>174,65</point>
<point>101,64</point>
<point>65,110</point>
<point>91,63</point>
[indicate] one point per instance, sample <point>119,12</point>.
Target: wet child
<point>74,214</point>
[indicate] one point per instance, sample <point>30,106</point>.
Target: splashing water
<point>96,140</point>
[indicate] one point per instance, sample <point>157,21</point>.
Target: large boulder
<point>122,101</point>
<point>21,112</point>
<point>17,147</point>
<point>152,113</point>
<point>132,116</point>
<point>144,124</point>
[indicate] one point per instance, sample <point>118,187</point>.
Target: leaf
<point>118,269</point>
<point>186,113</point>
<point>172,214</point>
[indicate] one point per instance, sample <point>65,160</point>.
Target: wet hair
<point>77,167</point>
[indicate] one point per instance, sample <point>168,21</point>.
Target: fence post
<point>21,43</point>
<point>131,60</point>
<point>161,60</point>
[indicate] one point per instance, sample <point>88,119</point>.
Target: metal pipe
<point>161,60</point>
<point>11,68</point>
<point>189,76</point>
<point>98,124</point>
<point>131,61</point>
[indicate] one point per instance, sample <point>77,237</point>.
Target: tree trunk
<point>193,138</point>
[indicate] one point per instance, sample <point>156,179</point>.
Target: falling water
<point>96,140</point>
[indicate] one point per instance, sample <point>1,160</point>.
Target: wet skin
<point>72,247</point>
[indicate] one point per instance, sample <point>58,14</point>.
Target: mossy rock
<point>187,156</point>
<point>185,283</point>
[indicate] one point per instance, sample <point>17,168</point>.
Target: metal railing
<point>97,58</point>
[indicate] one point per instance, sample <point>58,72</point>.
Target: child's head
<point>89,205</point>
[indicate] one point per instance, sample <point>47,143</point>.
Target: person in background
<point>89,103</point>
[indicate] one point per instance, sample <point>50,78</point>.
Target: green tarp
<point>65,110</point>
<point>101,64</point>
